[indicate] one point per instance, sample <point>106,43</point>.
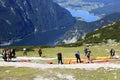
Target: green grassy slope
<point>108,32</point>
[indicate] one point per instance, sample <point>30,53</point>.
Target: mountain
<point>110,6</point>
<point>81,28</point>
<point>32,22</point>
<point>107,34</point>
<point>107,10</point>
<point>97,7</point>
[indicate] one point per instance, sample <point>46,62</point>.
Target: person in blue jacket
<point>77,55</point>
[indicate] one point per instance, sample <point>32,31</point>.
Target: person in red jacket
<point>9,55</point>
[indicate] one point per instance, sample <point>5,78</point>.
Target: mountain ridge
<point>21,19</point>
<point>81,28</point>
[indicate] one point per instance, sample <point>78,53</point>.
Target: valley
<point>51,23</point>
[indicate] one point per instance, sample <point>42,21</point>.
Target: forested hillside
<point>110,32</point>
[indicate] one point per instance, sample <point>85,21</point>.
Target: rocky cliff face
<point>32,22</point>
<point>80,29</point>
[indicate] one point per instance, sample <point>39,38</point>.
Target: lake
<point>85,15</point>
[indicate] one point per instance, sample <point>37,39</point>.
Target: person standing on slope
<point>40,52</point>
<point>59,56</point>
<point>24,52</point>
<point>112,53</point>
<point>88,56</point>
<point>86,50</point>
<point>13,53</point>
<point>77,55</point>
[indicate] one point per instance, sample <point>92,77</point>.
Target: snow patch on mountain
<point>12,10</point>
<point>2,3</point>
<point>6,43</point>
<point>67,41</point>
<point>7,21</point>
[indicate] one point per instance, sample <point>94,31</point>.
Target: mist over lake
<point>85,15</point>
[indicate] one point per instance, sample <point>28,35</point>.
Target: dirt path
<point>90,66</point>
